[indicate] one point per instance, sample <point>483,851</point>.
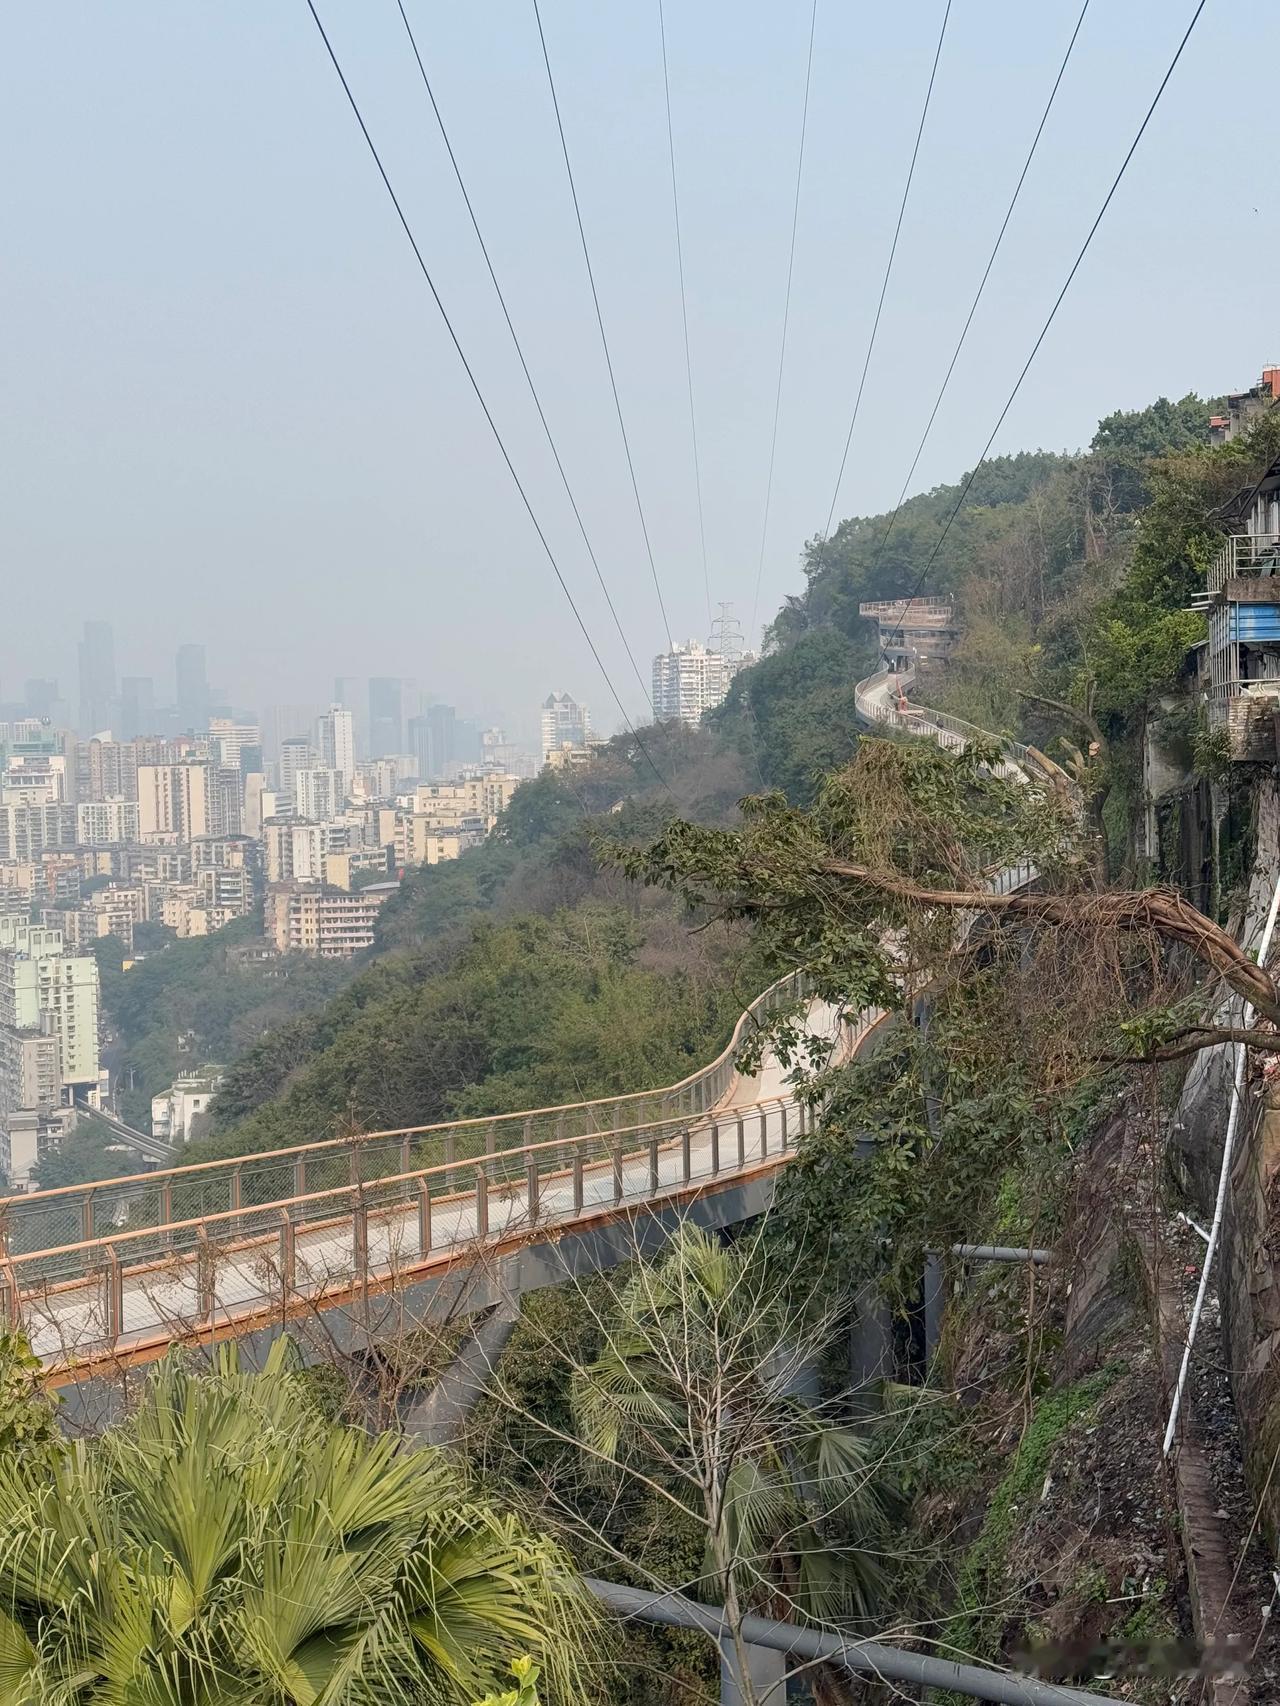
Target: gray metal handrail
<point>871,701</point>
<point>76,1213</point>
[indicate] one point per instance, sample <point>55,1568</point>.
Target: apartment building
<point>319,794</point>
<point>330,924</point>
<point>689,681</point>
<point>564,722</point>
<point>419,840</point>
<point>336,743</point>
<point>42,986</point>
<point>179,802</point>
<point>342,865</point>
<point>293,852</point>
<point>27,831</point>
<point>102,822</point>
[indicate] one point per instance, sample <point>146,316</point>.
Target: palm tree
<point>228,1547</point>
<point>700,1387</point>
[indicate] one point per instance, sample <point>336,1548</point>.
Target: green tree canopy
<point>227,1545</point>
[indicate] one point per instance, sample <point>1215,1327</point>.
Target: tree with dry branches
<point>693,1409</point>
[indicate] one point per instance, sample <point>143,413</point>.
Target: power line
<point>684,311</point>
<point>893,250</point>
<point>982,285</point>
<point>533,390</point>
<point>595,297</point>
<point>1044,330</point>
<point>786,319</point>
<point>479,394</point>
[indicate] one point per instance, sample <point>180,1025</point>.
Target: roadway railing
<point>120,1290</point>
<point>79,1215</point>
<point>875,700</point>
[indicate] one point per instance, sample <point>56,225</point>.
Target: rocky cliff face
<point>1250,1256</point>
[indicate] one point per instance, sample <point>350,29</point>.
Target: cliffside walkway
<point>119,1270</point>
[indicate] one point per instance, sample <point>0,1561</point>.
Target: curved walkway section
<point>148,1274</point>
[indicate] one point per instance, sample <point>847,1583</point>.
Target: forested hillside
<point>1071,573</point>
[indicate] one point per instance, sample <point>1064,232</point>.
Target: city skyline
<point>99,699</point>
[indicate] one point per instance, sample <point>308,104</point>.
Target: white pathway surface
<point>242,1276</point>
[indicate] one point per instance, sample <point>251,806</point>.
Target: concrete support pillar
<point>870,1342</point>
<point>934,1303</point>
<point>767,1670</point>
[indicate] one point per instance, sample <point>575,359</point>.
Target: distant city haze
<point>233,419</point>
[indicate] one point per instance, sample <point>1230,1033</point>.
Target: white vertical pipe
<point>1224,1173</point>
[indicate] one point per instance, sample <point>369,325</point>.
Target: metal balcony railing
<point>1243,555</point>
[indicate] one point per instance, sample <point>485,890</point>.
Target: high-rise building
<point>295,754</point>
<point>468,741</point>
<point>294,852</point>
<point>230,741</point>
<point>100,823</point>
<point>137,706</point>
<point>192,689</point>
<point>386,716</point>
<point>177,802</point>
<point>433,741</point>
<point>319,794</point>
<point>335,742</point>
<point>285,722</point>
<point>44,990</point>
<point>42,700</point>
<point>97,678</point>
<point>27,831</point>
<point>564,723</point>
<point>106,770</point>
<point>349,691</point>
<point>688,681</point>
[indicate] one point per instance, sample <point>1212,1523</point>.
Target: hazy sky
<point>231,412</point>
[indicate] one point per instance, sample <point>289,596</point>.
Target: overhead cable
<point>524,365</point>
<point>604,340</point>
<point>982,285</point>
<point>888,270</point>
<point>786,320</point>
<point>1058,301</point>
<point>684,313</point>
<point>475,386</point>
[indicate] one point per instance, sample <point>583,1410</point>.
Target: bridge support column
<point>767,1671</point>
<point>934,1303</point>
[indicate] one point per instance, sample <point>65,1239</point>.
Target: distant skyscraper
<point>285,722</point>
<point>137,706</point>
<point>193,689</point>
<point>295,755</point>
<point>386,716</point>
<point>433,741</point>
<point>97,678</point>
<point>468,741</point>
<point>564,723</point>
<point>42,698</point>
<point>351,692</point>
<point>335,742</point>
